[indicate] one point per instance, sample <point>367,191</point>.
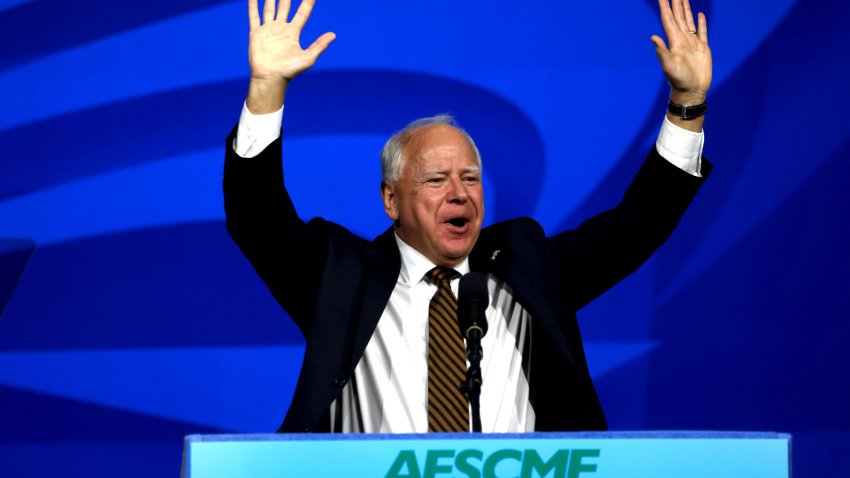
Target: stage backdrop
<point>130,319</point>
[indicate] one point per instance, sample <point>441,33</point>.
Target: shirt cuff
<point>681,147</point>
<point>255,132</point>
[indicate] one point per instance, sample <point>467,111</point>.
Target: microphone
<point>473,299</point>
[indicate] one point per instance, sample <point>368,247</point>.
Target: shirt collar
<point>416,265</point>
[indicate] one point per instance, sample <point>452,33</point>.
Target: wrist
<point>265,95</point>
<point>687,98</point>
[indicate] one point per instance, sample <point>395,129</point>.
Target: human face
<point>438,202</point>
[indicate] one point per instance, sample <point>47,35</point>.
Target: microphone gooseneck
<point>473,299</point>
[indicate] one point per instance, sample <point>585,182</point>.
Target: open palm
<point>274,48</point>
<point>687,61</point>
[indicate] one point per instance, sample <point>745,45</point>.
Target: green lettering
<point>531,461</point>
<point>496,457</point>
<point>576,466</point>
<point>405,457</point>
<point>462,463</point>
<point>432,462</point>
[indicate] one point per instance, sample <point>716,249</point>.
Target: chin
<point>457,252</point>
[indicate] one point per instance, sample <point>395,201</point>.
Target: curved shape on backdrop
<point>175,123</point>
<point>351,102</point>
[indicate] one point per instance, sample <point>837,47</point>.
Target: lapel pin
<point>495,253</point>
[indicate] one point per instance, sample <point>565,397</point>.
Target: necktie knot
<point>442,275</point>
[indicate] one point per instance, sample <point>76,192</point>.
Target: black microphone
<point>473,299</point>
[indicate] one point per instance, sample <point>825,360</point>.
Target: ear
<point>388,195</point>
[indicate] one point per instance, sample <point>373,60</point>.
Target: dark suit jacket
<point>335,284</point>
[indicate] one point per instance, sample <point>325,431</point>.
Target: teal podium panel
<point>463,455</point>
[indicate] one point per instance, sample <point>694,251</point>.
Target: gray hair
<point>392,157</point>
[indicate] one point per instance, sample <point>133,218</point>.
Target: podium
<point>530,455</point>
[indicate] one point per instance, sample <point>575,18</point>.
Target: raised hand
<point>275,53</point>
<point>687,61</point>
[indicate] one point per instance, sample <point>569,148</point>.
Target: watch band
<point>687,112</point>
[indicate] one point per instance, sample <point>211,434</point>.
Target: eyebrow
<point>469,169</point>
<point>431,171</point>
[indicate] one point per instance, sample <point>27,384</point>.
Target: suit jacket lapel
<point>493,254</point>
<point>384,264</point>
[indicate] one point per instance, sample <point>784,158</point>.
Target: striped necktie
<point>448,407</point>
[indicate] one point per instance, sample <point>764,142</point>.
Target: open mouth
<point>458,221</point>
<point>458,225</point>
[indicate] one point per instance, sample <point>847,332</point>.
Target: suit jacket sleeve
<point>287,253</point>
<point>608,247</point>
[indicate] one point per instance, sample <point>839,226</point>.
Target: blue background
<point>130,319</point>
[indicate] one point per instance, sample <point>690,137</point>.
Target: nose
<point>457,191</point>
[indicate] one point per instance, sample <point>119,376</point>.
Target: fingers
<point>677,18</point>
<point>253,14</point>
<point>321,44</point>
<point>689,16</point>
<point>679,15</point>
<point>660,48</point>
<point>268,11</point>
<point>303,13</point>
<point>282,13</point>
<point>283,10</point>
<point>667,20</point>
<point>703,28</point>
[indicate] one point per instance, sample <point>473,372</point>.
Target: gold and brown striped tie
<point>448,407</point>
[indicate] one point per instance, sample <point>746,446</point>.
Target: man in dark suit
<point>366,308</point>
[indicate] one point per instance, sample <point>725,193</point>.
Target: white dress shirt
<point>389,390</point>
<point>388,393</point>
